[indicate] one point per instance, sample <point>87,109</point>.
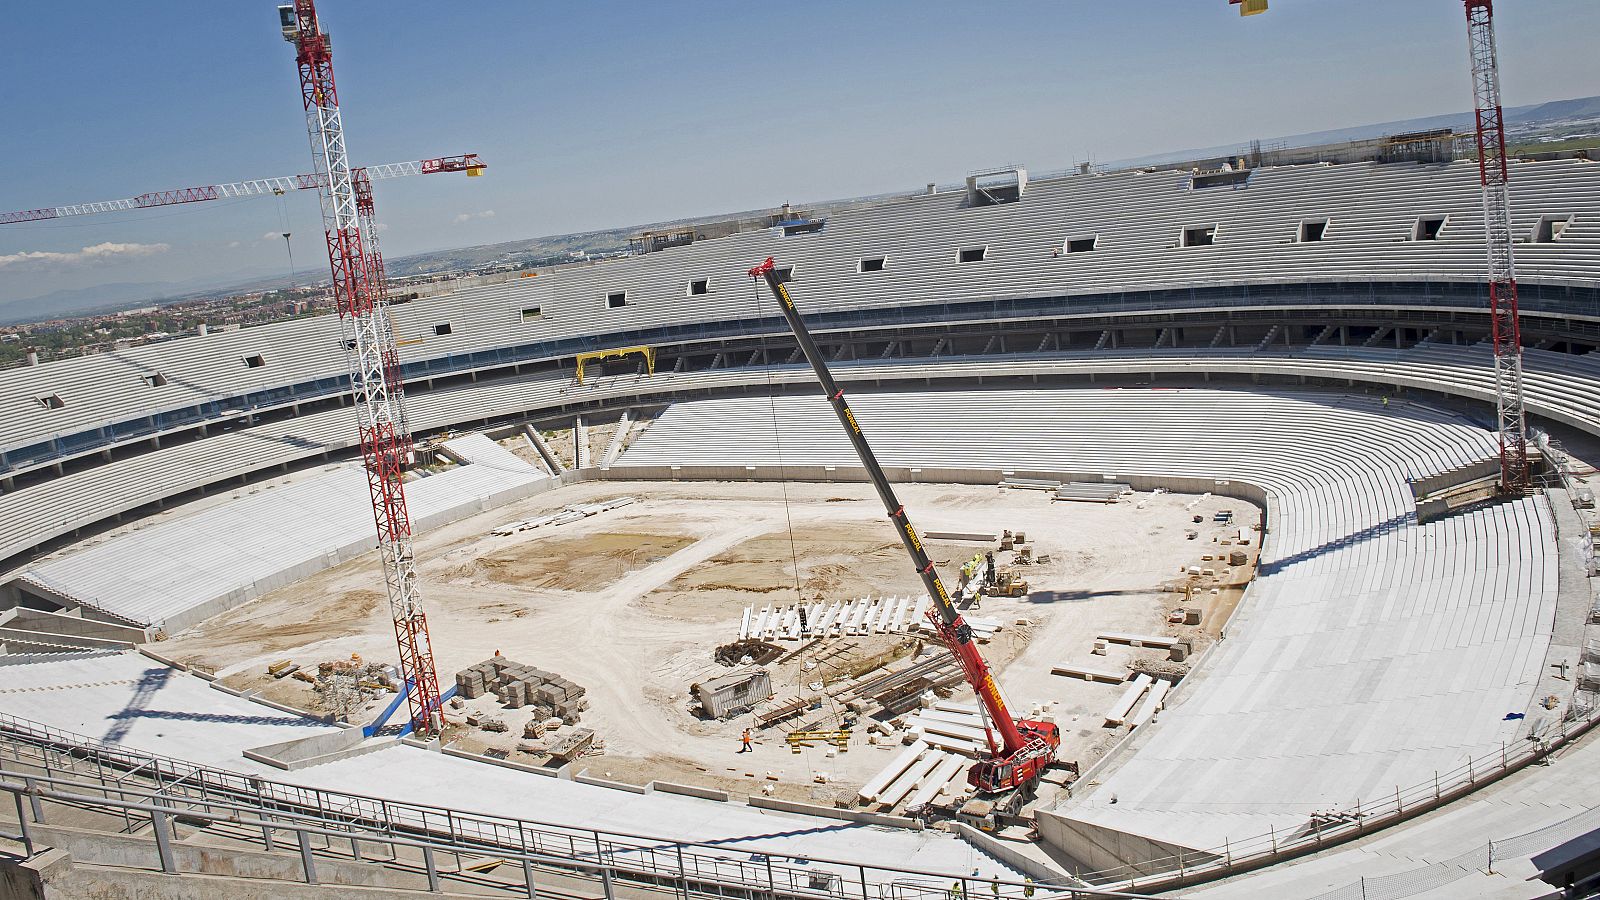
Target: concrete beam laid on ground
<point>875,785</point>
<point>900,609</point>
<point>907,781</point>
<point>1089,673</point>
<point>986,537</point>
<point>1159,641</point>
<point>1152,703</point>
<point>1136,688</point>
<point>886,608</point>
<point>948,769</point>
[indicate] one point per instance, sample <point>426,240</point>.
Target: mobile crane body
<point>1019,751</point>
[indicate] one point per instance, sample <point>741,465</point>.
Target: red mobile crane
<point>1023,748</point>
<point>368,336</point>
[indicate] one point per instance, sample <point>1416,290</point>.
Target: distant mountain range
<point>1557,118</point>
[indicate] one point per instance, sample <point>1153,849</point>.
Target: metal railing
<point>147,790</point>
<point>1336,826</point>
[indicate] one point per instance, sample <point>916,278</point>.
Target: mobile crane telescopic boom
<point>1023,748</point>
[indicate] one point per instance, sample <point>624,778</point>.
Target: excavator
<point>1019,750</point>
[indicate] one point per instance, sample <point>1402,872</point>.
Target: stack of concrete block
<point>517,685</point>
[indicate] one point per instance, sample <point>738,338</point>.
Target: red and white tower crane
<point>468,163</point>
<point>1511,419</point>
<point>1505,330</point>
<point>368,336</point>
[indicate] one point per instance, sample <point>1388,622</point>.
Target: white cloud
<point>467,217</point>
<point>98,253</point>
<point>232,244</point>
<point>272,236</point>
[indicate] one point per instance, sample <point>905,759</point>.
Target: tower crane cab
<point>289,21</point>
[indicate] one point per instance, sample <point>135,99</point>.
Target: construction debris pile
<point>517,685</point>
<point>747,652</point>
<point>341,686</point>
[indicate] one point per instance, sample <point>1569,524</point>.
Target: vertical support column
<point>163,832</point>
<point>308,863</point>
<point>27,832</point>
<point>33,798</point>
<point>433,869</point>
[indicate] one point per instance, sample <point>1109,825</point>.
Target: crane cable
<point>777,440</point>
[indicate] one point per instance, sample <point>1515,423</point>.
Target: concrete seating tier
<point>1371,650</point>
<point>1137,220</point>
<point>179,571</point>
<point>1560,387</point>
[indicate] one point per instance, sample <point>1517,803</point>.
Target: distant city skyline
<point>604,114</point>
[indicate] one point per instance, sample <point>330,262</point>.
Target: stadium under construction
<point>1253,552</point>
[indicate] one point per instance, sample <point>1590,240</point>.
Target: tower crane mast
<point>1019,750</point>
<point>369,342</point>
<point>1504,328</point>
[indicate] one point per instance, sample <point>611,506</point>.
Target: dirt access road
<point>630,604</point>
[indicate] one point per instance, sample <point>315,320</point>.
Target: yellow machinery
<point>1007,584</point>
<point>649,354</point>
<point>839,738</point>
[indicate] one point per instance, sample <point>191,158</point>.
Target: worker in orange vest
<point>744,741</point>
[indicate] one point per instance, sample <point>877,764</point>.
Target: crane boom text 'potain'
<point>1025,747</point>
<point>468,163</point>
<point>370,348</point>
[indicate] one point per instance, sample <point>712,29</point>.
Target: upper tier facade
<point>1069,242</point>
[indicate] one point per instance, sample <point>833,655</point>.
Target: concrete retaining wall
<point>1007,853</point>
<point>828,812</point>
<point>689,790</point>
<point>1098,848</point>
<point>61,623</point>
<point>280,871</point>
<point>314,750</point>
<point>46,640</point>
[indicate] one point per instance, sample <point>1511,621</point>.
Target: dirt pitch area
<point>631,603</point>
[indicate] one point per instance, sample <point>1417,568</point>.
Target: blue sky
<point>602,114</point>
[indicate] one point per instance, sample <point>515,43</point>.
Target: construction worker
<point>957,892</point>
<point>744,742</point>
<point>994,888</point>
<point>1027,886</point>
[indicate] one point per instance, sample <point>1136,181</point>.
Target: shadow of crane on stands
<point>144,689</point>
<point>736,841</point>
<point>1371,532</point>
<point>130,714</point>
